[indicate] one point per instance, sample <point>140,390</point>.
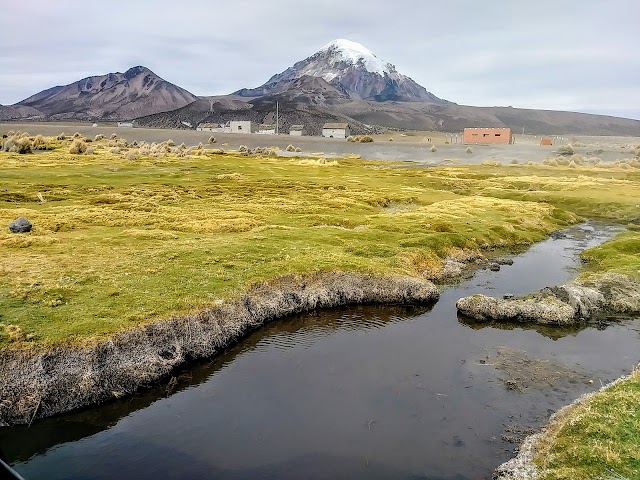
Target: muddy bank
<point>600,295</point>
<point>37,385</point>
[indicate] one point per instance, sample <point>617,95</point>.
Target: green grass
<point>596,439</point>
<point>620,255</point>
<point>117,243</point>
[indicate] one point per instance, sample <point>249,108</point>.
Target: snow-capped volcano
<point>345,51</point>
<point>352,68</point>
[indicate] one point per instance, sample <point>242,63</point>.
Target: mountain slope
<point>353,69</point>
<point>18,112</point>
<point>115,96</point>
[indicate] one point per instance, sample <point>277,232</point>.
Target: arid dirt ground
<point>408,146</point>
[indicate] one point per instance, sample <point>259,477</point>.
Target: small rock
<point>508,296</point>
<point>557,235</point>
<point>504,261</point>
<point>21,225</point>
<point>494,267</point>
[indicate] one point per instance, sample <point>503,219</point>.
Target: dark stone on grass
<point>21,225</point>
<point>494,267</point>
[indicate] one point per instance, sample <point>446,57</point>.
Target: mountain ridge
<point>115,96</point>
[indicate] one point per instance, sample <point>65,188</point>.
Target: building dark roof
<point>336,125</point>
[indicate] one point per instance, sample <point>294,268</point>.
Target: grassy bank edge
<point>596,436</point>
<point>37,385</point>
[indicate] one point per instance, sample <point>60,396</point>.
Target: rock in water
<point>21,225</point>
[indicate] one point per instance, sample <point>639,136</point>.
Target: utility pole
<point>277,114</point>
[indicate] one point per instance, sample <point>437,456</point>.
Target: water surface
<point>367,392</point>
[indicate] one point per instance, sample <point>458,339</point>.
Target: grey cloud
<point>562,54</point>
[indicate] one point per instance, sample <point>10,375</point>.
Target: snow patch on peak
<point>353,52</point>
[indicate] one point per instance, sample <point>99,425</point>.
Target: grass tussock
<point>78,146</point>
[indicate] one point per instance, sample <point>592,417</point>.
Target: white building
<point>336,130</point>
<point>212,127</point>
<point>296,130</point>
<point>267,129</point>
<point>242,126</point>
<point>125,124</point>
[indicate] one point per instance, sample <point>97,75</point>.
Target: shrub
<point>573,164</point>
<point>577,159</point>
<point>89,151</point>
<point>78,146</point>
<point>469,150</point>
<point>113,136</point>
<point>114,150</point>
<point>366,139</point>
<point>39,142</point>
<point>290,148</point>
<point>391,139</point>
<point>433,148</point>
<point>17,144</point>
<point>298,150</point>
<point>182,146</point>
<point>131,155</point>
<point>144,150</point>
<point>11,133</point>
<point>99,137</point>
<point>62,136</point>
<point>212,140</point>
<point>351,138</point>
<point>170,142</point>
<point>25,135</point>
<point>515,161</point>
<point>200,146</point>
<point>77,135</point>
<point>566,149</point>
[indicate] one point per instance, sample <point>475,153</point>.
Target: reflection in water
<point>551,332</point>
<point>22,442</point>
<point>367,392</point>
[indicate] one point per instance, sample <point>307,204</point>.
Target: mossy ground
<point>117,242</point>
<point>595,439</point>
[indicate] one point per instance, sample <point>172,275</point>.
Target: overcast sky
<point>579,55</point>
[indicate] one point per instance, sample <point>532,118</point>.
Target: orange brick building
<point>488,135</point>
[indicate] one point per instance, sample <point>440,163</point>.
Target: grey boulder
<point>21,225</point>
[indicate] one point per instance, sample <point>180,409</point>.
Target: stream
<point>373,392</point>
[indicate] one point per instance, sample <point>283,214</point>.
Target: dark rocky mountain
<point>115,96</point>
<point>352,69</point>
